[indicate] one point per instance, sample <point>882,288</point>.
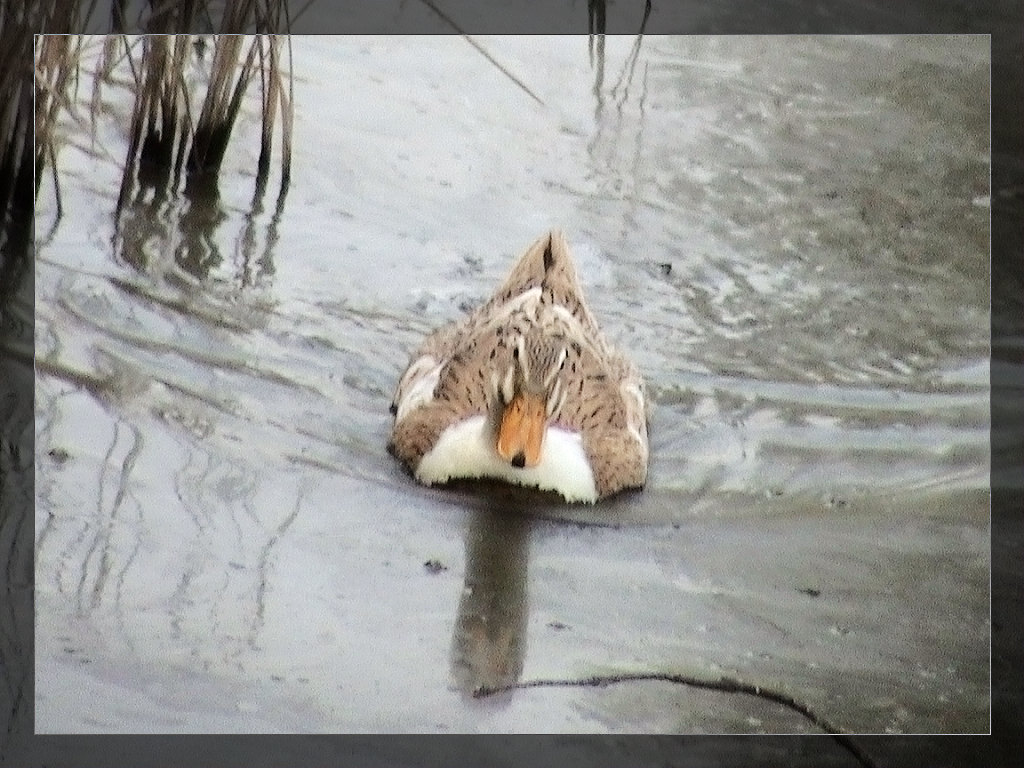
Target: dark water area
<point>790,235</point>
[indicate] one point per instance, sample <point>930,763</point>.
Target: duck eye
<point>515,353</point>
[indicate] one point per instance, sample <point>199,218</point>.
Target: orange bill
<point>522,430</point>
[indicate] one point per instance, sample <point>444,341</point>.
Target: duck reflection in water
<point>489,639</point>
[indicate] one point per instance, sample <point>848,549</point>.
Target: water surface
<point>790,235</point>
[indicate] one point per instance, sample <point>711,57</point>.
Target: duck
<point>525,389</point>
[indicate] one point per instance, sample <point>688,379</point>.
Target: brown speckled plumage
<point>600,393</point>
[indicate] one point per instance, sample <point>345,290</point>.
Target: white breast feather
<point>466,450</point>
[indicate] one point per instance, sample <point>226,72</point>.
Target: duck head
<point>526,396</point>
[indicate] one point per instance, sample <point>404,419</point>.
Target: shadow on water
<point>15,256</point>
<point>489,639</point>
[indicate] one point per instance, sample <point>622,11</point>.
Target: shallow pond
<point>790,235</point>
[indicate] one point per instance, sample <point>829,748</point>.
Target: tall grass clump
<point>33,85</point>
<point>174,133</point>
<point>181,125</point>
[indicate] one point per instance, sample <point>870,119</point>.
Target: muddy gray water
<point>790,235</point>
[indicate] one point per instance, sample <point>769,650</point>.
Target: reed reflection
<point>489,639</point>
<point>169,203</point>
<point>179,236</point>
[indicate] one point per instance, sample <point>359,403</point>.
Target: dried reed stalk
<point>164,140</point>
